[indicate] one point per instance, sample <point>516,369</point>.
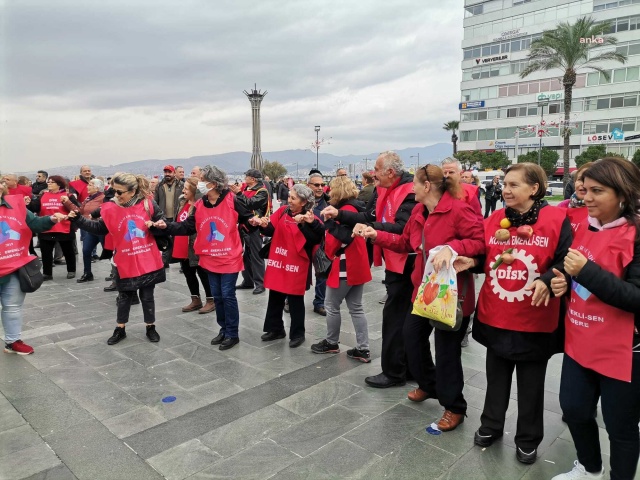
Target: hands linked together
<point>259,221</point>
<point>161,224</point>
<point>306,217</point>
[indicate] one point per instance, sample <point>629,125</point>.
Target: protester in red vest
<point>13,188</point>
<point>79,186</point>
<point>517,318</point>
<point>602,344</point>
<point>183,251</point>
<point>453,168</point>
<point>17,224</point>
<point>440,218</point>
<point>215,222</point>
<point>137,257</point>
<point>46,205</point>
<point>349,273</point>
<point>295,230</point>
<point>393,206</point>
<point>576,209</point>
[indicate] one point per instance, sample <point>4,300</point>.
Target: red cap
<point>170,168</point>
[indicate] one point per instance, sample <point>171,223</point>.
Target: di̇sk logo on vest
<point>213,234</point>
<point>509,281</point>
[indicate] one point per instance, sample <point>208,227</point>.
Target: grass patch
<point>554,198</point>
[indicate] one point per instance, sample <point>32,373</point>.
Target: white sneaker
<point>579,472</point>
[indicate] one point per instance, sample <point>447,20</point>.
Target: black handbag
<point>30,276</point>
<point>266,247</point>
<point>321,261</point>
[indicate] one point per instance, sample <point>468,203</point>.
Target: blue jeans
<point>321,290</point>
<point>223,289</point>
<point>88,246</point>
<point>12,299</point>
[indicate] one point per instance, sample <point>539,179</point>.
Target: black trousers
<point>530,377</point>
<point>253,272</point>
<point>273,321</point>
<point>192,274</point>
<point>445,379</point>
<point>396,308</point>
<point>489,206</point>
<point>580,389</point>
<point>146,300</point>
<point>46,250</point>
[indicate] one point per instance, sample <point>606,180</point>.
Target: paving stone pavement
<point>80,409</point>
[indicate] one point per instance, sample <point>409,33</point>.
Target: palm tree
<point>452,126</point>
<point>562,49</point>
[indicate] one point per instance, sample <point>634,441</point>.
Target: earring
<point>621,206</point>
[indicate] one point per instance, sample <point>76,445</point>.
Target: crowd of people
<point>557,279</point>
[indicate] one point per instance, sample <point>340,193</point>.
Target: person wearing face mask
<point>214,220</point>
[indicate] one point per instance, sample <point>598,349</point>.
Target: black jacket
<point>160,197</point>
<point>258,204</point>
<point>282,192</point>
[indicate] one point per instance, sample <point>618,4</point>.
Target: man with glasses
<point>316,184</point>
<point>40,185</point>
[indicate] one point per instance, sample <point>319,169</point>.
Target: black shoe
<point>296,342</point>
<point>95,257</point>
<point>382,381</point>
<point>87,277</point>
<point>325,347</point>
<point>244,286</point>
<point>320,311</point>
<point>118,334</point>
<point>152,335</point>
<point>228,343</point>
<point>109,278</point>
<point>484,440</point>
<point>47,277</point>
<point>363,355</point>
<point>71,275</point>
<point>267,337</point>
<point>217,340</point>
<point>166,265</point>
<point>258,290</point>
<point>526,457</point>
<point>59,261</point>
<point>110,288</point>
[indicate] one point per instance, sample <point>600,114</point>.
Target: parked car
<point>555,188</point>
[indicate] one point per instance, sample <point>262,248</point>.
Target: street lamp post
<point>541,104</point>
<point>366,164</point>
<point>317,145</point>
<point>418,157</point>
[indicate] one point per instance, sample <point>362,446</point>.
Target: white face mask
<point>202,188</point>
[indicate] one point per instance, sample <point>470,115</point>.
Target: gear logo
<point>519,275</point>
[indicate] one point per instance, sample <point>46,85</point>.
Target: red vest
<point>21,190</point>
<point>15,235</point>
<point>181,242</point>
<point>599,336</point>
<point>251,193</point>
<point>503,301</point>
<point>136,251</point>
<point>218,241</point>
<point>288,264</point>
<point>577,216</point>
<point>471,197</point>
<point>80,186</point>
<point>49,204</point>
<point>386,207</point>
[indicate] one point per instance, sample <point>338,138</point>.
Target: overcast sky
<point>105,82</point>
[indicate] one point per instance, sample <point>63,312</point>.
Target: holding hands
<point>558,283</point>
<point>258,222</point>
<point>460,264</point>
<point>58,217</point>
<point>540,293</point>
<point>234,188</point>
<point>574,262</point>
<point>329,212</point>
<point>358,230</point>
<point>307,217</point>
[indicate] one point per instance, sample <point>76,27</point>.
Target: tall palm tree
<point>562,49</point>
<point>452,126</point>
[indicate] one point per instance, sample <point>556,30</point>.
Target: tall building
<point>501,111</point>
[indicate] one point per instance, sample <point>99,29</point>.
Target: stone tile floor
<point>78,408</point>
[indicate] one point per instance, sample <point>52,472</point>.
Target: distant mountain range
<point>235,163</point>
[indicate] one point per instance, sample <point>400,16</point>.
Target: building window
<point>630,101</point>
<point>616,102</point>
<point>619,75</point>
<point>603,103</point>
<point>554,108</point>
<point>602,128</point>
<point>512,112</point>
<point>593,79</point>
<point>469,136</point>
<point>633,73</point>
<point>629,125</point>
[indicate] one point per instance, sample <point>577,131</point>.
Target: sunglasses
<point>426,173</point>
<point>317,184</point>
<point>120,192</point>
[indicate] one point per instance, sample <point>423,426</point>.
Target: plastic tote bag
<point>437,297</point>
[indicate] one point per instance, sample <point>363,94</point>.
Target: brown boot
<point>208,307</point>
<point>195,304</point>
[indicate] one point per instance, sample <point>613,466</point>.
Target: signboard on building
<point>616,135</point>
<point>499,145</point>
<point>549,96</point>
<point>468,105</point>
<point>632,137</point>
<point>508,35</point>
<point>492,59</point>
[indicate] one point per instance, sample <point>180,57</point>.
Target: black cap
<point>252,172</point>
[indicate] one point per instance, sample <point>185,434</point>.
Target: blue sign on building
<point>468,105</point>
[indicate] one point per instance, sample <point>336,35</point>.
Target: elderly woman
<point>517,317</point>
<point>441,217</point>
<point>295,230</point>
<point>183,251</point>
<point>602,343</point>
<point>137,257</point>
<point>214,219</point>
<point>19,224</point>
<point>576,209</point>
<point>95,192</point>
<point>49,203</point>
<point>349,272</point>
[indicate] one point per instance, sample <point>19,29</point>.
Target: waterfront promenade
<point>79,408</point>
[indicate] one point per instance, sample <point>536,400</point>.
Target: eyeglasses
<point>317,185</point>
<point>119,192</point>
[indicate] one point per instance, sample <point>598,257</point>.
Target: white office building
<point>501,111</point>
